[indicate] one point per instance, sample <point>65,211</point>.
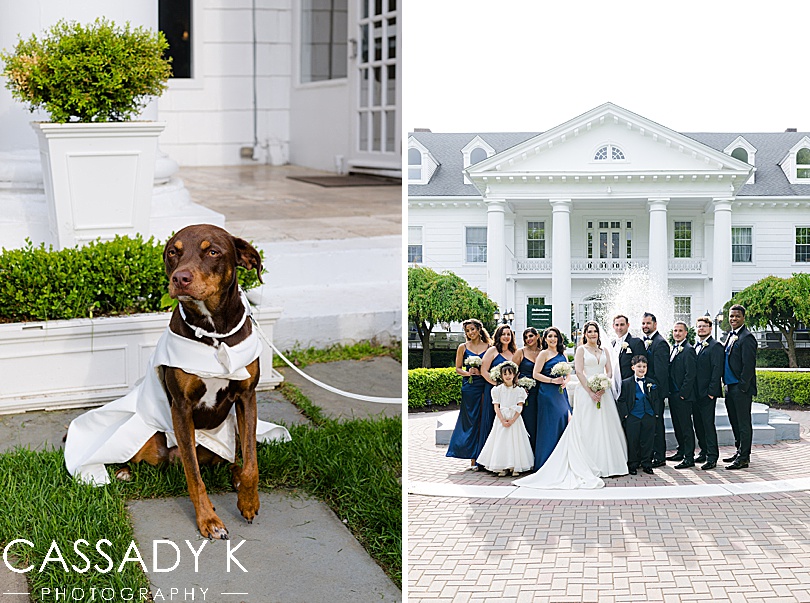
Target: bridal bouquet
<point>526,383</point>
<point>599,383</point>
<point>472,362</point>
<point>561,369</point>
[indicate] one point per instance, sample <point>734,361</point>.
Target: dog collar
<point>199,333</point>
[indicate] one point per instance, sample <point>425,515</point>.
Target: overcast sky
<point>530,65</point>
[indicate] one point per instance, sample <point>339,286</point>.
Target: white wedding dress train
<point>593,445</point>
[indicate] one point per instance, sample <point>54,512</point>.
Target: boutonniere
<point>704,344</point>
<point>651,386</point>
<point>626,347</point>
<point>647,343</point>
<point>732,340</point>
<point>678,348</point>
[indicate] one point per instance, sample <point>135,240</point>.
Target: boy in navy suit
<point>639,404</point>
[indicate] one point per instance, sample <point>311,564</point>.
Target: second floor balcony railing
<point>694,266</point>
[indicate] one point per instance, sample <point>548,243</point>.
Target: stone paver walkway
<point>746,548</point>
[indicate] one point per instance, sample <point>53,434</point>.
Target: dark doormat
<point>350,180</point>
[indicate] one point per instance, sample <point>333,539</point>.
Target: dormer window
<point>803,163</point>
<point>609,152</point>
<point>744,151</point>
<point>421,164</point>
<point>475,151</point>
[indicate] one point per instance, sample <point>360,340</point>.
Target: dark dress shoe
<point>709,465</point>
<point>701,458</point>
<point>684,464</point>
<point>731,459</point>
<point>659,463</point>
<point>633,471</point>
<point>648,470</point>
<point>738,464</point>
<point>675,457</point>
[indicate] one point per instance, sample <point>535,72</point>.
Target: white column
<point>561,264</point>
<point>721,283</point>
<point>658,245</point>
<point>496,252</point>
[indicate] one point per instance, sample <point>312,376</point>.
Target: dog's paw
<point>213,529</point>
<point>248,506</point>
<point>123,474</point>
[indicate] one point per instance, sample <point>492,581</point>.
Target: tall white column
<point>658,245</point>
<point>721,278</point>
<point>561,264</point>
<point>496,252</point>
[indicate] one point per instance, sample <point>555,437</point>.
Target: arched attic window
<point>478,154</point>
<point>609,152</point>
<point>414,164</point>
<point>803,163</point>
<point>740,153</point>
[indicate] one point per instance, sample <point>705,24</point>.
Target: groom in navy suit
<point>740,377</point>
<point>658,360</point>
<point>639,404</point>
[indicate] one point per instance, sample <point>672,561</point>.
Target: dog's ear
<point>248,257</point>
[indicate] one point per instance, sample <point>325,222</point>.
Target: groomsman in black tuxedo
<point>682,395</point>
<point>708,387</point>
<point>658,360</point>
<point>626,345</point>
<point>638,404</point>
<point>740,377</point>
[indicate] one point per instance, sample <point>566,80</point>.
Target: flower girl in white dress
<point>508,446</point>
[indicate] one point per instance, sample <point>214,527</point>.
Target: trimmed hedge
<point>774,386</point>
<point>442,386</point>
<point>103,278</point>
<point>438,358</point>
<point>777,358</point>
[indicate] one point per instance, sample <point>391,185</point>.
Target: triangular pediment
<point>609,140</point>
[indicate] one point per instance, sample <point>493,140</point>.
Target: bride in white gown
<point>593,445</point>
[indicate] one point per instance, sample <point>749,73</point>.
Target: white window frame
<point>691,223</point>
<point>795,261</point>
<point>544,222</point>
<point>751,228</point>
<point>680,315</point>
<point>464,245</point>
<point>788,163</point>
<point>609,159</point>
<point>197,79</point>
<point>466,151</point>
<point>741,142</point>
<point>421,243</point>
<point>429,163</point>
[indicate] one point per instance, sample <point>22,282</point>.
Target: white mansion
<point>545,218</point>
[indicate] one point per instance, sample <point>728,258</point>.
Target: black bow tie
<point>639,380</point>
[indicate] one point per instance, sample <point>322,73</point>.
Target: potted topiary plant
<point>97,163</point>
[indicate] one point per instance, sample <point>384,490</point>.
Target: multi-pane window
<point>628,234</point>
<point>414,164</point>
<point>683,308</point>
<point>803,163</point>
<point>741,243</point>
<point>683,240</point>
<point>476,243</point>
<point>609,239</point>
<point>602,153</point>
<point>536,240</point>
<point>324,39</point>
<point>414,244</point>
<point>803,243</point>
<point>536,301</point>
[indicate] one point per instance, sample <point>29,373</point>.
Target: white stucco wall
<point>320,124</point>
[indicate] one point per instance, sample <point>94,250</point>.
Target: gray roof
<point>448,179</point>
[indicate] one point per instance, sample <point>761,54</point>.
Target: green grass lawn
<point>353,466</point>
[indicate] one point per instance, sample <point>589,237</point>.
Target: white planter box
<point>98,178</point>
<point>84,362</point>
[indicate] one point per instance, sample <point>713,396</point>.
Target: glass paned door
<point>610,237</point>
<point>376,89</point>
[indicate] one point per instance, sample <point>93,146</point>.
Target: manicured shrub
<point>774,386</point>
<point>442,386</point>
<point>438,358</point>
<point>122,276</point>
<point>86,73</point>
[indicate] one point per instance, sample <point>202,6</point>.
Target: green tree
<point>442,297</point>
<point>781,304</point>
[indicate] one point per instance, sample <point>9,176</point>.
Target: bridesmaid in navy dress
<point>525,359</point>
<point>553,408</point>
<point>464,441</point>
<point>503,349</point>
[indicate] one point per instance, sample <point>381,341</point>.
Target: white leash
<point>329,388</point>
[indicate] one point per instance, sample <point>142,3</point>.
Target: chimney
<point>791,130</point>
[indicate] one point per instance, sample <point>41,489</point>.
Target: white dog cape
<point>113,433</point>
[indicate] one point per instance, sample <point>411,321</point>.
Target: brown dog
<point>201,263</point>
